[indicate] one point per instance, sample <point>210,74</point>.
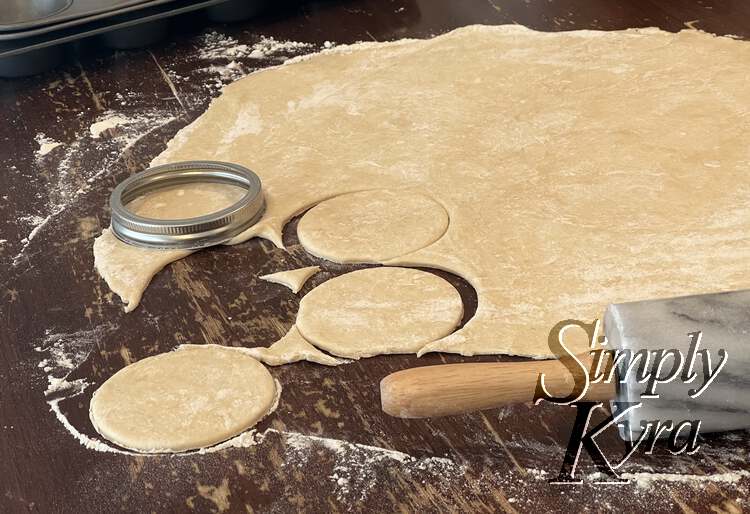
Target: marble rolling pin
<point>711,383</point>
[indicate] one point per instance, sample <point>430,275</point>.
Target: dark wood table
<point>51,299</point>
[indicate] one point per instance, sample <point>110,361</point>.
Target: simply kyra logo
<point>641,383</point>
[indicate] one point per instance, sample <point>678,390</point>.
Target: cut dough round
<point>183,400</point>
<point>372,226</point>
<point>379,310</point>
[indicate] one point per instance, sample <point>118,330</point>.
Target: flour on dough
<point>379,311</point>
<point>192,398</point>
<point>291,348</point>
<point>371,226</point>
<point>577,168</point>
<point>293,279</point>
<point>128,269</point>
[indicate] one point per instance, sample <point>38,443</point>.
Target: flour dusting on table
<point>109,137</point>
<point>648,480</point>
<point>46,145</point>
<point>214,47</point>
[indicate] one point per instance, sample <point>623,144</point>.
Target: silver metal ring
<point>188,233</point>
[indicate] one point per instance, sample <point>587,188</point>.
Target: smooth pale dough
<point>377,311</point>
<point>371,226</point>
<point>293,279</point>
<point>128,269</point>
<point>195,397</point>
<point>186,200</point>
<point>577,168</point>
<point>291,348</point>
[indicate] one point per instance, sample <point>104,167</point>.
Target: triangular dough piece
<point>293,279</point>
<point>292,348</point>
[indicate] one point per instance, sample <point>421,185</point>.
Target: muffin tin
<point>45,29</point>
<point>22,15</point>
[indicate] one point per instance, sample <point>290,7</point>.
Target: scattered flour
<point>219,46</point>
<point>86,441</point>
<point>108,122</point>
<point>111,120</point>
<point>216,47</point>
<point>538,474</point>
<point>647,480</point>
<point>70,179</point>
<point>46,145</point>
<point>230,72</point>
<point>268,47</point>
<point>65,352</point>
<point>36,223</point>
<point>356,465</point>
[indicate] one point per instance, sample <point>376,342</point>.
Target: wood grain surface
<point>325,448</point>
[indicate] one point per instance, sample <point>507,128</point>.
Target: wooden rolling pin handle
<point>447,389</point>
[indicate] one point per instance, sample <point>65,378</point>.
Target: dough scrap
<point>379,311</point>
<point>128,269</point>
<point>371,226</point>
<point>192,398</point>
<point>578,168</point>
<point>293,279</point>
<point>291,348</point>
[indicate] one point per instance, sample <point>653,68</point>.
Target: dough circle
<point>372,226</point>
<point>182,400</point>
<point>378,311</point>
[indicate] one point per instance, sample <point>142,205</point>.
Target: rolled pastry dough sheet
<point>378,311</point>
<point>195,397</point>
<point>371,226</point>
<point>577,168</point>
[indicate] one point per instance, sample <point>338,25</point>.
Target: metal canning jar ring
<point>187,233</point>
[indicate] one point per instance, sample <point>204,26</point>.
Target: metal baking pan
<point>17,47</point>
<point>235,10</point>
<point>19,15</point>
<point>120,7</point>
<point>32,62</point>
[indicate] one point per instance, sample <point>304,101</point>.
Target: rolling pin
<point>711,334</point>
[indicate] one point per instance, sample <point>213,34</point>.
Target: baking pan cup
<point>33,62</point>
<point>235,10</point>
<point>137,36</point>
<point>60,22</point>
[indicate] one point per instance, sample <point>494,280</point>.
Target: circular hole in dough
<point>182,400</point>
<point>378,311</point>
<point>371,226</point>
